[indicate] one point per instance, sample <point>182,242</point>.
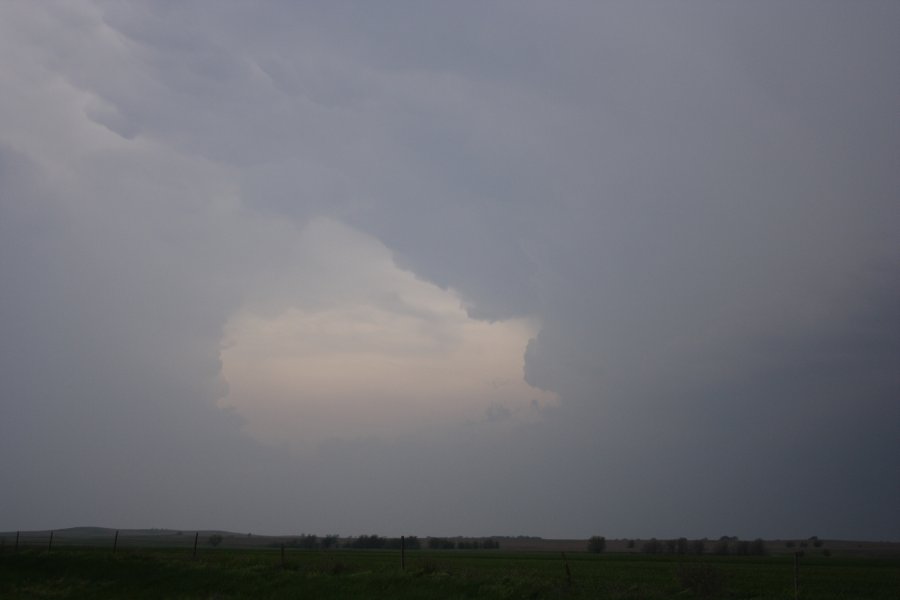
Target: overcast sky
<point>456,268</point>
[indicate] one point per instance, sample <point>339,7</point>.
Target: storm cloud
<point>469,268</point>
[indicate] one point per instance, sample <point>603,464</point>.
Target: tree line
<point>725,545</point>
<point>377,542</point>
<point>467,544</point>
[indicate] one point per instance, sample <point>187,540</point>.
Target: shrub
<point>440,544</point>
<point>337,568</point>
<point>412,543</point>
<point>369,541</point>
<point>701,579</point>
<point>214,540</point>
<point>597,544</point>
<point>721,547</point>
<point>430,567</point>
<point>758,547</point>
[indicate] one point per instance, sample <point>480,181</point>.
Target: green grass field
<point>232,573</point>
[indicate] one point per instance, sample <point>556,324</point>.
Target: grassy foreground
<point>231,573</point>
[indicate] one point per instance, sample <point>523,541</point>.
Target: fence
<point>121,540</point>
<point>135,539</point>
<point>194,542</point>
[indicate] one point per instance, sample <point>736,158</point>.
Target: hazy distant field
<point>71,572</point>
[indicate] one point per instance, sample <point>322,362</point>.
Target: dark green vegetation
<point>596,544</point>
<point>72,572</point>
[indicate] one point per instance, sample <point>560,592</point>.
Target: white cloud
<point>365,349</point>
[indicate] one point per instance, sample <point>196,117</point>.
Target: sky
<point>557,269</point>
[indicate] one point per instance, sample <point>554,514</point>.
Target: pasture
<point>224,573</point>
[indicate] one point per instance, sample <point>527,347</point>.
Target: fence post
<point>116,541</point>
<point>282,556</point>
<point>568,572</point>
<point>50,544</point>
<point>16,549</point>
<point>796,575</point>
<point>402,553</point>
<point>196,537</point>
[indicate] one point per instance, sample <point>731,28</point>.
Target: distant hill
<point>85,532</point>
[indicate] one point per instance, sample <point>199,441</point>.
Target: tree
<point>214,540</point>
<point>369,542</point>
<point>440,544</point>
<point>597,544</point>
<point>721,546</point>
<point>412,543</point>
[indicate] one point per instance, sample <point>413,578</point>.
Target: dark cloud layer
<point>698,201</point>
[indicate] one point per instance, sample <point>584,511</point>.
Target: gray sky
<point>541,268</point>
